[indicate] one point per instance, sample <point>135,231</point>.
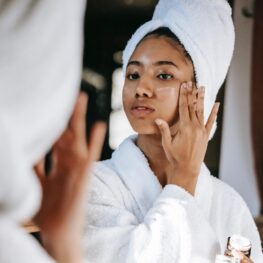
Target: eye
<point>132,76</point>
<point>165,76</point>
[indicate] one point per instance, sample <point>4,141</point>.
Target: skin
<point>242,257</point>
<point>61,215</point>
<point>166,109</point>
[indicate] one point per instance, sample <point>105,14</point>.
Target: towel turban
<point>40,69</point>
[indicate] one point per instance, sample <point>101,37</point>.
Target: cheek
<point>168,99</point>
<point>126,96</point>
<point>168,91</point>
<point>168,96</point>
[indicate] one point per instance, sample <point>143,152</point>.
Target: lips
<point>141,110</point>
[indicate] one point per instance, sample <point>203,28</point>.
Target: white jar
<point>223,259</point>
<point>237,242</point>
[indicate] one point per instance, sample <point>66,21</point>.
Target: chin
<point>147,129</point>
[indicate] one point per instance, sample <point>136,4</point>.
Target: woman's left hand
<point>185,143</point>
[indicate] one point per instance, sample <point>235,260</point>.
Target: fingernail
<point>217,105</point>
<point>158,122</point>
<point>190,84</point>
<point>184,86</point>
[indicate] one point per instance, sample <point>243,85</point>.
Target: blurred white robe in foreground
<point>40,65</point>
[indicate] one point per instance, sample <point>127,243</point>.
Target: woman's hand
<point>186,142</point>
<point>241,257</point>
<point>61,216</point>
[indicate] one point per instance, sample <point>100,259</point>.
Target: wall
<point>236,162</point>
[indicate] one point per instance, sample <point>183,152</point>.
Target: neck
<point>151,146</point>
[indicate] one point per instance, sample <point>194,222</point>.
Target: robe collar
<point>133,168</point>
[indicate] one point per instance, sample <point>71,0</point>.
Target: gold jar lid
<point>239,243</point>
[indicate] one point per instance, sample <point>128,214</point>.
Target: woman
<point>154,200</point>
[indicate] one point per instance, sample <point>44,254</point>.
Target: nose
<point>144,88</point>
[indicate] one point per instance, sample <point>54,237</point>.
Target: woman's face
<point>154,74</point>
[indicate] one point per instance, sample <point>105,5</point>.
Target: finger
<point>195,90</point>
<point>64,140</point>
<point>54,161</point>
<point>191,97</point>
<point>166,136</point>
<point>78,119</point>
<point>183,104</point>
<point>212,118</point>
<point>237,254</point>
<point>200,105</point>
<point>241,256</point>
<point>174,129</point>
<point>39,169</point>
<point>97,136</point>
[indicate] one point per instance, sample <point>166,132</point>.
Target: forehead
<point>156,48</point>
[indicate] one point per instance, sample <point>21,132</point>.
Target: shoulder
<point>227,196</point>
<point>105,183</point>
<point>16,245</point>
<point>223,190</point>
<point>104,173</point>
<point>234,215</point>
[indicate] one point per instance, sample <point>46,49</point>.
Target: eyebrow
<point>158,63</point>
<point>135,62</point>
<point>165,62</point>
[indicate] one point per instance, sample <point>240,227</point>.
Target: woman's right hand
<point>241,257</point>
<point>185,143</point>
<point>61,215</point>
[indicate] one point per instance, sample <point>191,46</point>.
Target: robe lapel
<point>204,191</point>
<point>134,170</point>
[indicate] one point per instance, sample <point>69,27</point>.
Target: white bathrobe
<point>40,66</point>
<point>131,218</point>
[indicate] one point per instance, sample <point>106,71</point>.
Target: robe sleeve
<point>173,230</point>
<point>250,230</point>
<point>235,218</point>
<point>18,246</point>
<point>244,224</point>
